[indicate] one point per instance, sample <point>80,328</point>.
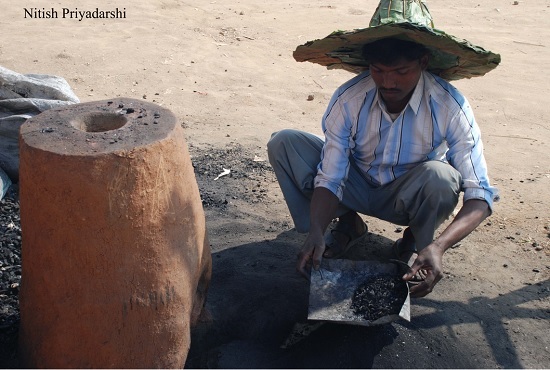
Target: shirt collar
<point>416,97</point>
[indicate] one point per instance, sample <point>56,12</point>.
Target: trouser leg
<point>421,199</point>
<point>429,201</point>
<point>294,156</point>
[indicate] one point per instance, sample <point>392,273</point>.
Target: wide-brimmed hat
<point>451,58</point>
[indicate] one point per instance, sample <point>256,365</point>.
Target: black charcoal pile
<point>10,276</point>
<point>379,296</point>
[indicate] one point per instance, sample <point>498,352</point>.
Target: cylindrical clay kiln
<point>116,260</point>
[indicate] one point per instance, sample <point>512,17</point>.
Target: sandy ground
<point>226,70</point>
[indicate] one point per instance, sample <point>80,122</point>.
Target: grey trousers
<point>421,199</point>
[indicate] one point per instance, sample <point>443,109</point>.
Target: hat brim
<point>451,58</point>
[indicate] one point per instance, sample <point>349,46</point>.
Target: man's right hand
<point>323,209</point>
<point>313,250</point>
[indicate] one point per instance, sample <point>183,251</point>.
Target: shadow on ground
<point>256,297</point>
<point>493,320</point>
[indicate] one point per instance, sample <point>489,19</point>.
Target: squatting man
<point>400,144</point>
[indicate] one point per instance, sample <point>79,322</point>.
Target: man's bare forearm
<point>430,259</point>
<point>322,210</point>
<point>324,205</point>
<point>472,213</point>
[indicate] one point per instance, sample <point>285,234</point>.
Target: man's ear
<point>424,61</point>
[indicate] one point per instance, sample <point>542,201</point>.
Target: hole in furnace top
<point>99,121</point>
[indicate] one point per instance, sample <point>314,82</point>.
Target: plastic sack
<point>5,183</point>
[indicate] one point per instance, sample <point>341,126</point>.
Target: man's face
<point>397,82</point>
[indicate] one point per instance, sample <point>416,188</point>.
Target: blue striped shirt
<point>437,124</point>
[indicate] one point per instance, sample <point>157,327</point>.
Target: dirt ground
<point>226,70</point>
<point>484,314</point>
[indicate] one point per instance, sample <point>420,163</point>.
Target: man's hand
<point>313,249</point>
<point>430,260</point>
<point>323,209</point>
<point>472,213</point>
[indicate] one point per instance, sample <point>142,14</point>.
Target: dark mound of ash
<point>379,296</point>
<point>247,180</point>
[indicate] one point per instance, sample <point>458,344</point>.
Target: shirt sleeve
<point>333,169</point>
<point>466,155</point>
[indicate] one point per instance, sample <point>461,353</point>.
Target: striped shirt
<point>437,124</point>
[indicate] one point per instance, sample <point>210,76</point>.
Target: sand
<point>225,69</point>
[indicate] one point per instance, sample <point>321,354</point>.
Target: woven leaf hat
<point>451,58</point>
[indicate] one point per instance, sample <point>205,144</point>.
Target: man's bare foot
<point>349,230</point>
<point>405,251</point>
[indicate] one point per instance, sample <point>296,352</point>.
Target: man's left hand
<point>430,261</point>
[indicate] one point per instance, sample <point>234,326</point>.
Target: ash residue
<point>250,172</point>
<point>379,296</point>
